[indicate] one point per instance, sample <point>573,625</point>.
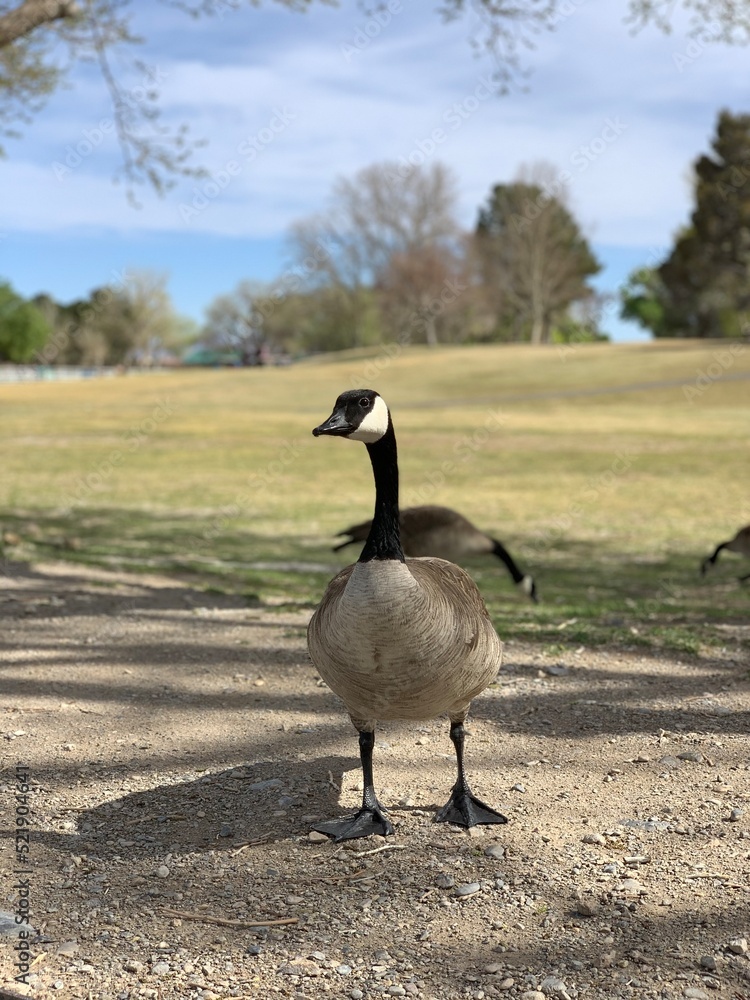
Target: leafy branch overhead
<point>156,155</point>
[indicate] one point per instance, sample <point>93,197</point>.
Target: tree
<point>533,258</point>
<point>643,299</point>
<point>30,66</point>
<point>706,277</point>
<point>234,322</point>
<point>390,229</point>
<point>23,328</point>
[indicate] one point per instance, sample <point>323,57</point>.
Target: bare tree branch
<point>32,14</point>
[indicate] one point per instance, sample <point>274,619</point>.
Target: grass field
<point>609,471</point>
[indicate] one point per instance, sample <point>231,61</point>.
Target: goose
<point>399,638</point>
<point>440,531</point>
<point>739,544</point>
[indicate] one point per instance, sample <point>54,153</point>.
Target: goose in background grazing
<point>399,638</point>
<point>739,544</point>
<point>442,532</point>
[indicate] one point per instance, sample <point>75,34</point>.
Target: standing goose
<point>739,544</point>
<point>442,532</point>
<point>397,638</point>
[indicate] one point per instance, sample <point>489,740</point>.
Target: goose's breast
<point>390,650</point>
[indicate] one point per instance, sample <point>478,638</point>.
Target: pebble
<point>300,967</point>
<point>356,994</point>
<point>343,970</point>
<point>160,969</point>
<point>533,995</point>
<point>692,755</point>
<point>708,962</point>
<point>162,871</point>
<point>695,993</point>
<point>444,881</point>
<point>315,837</point>
<point>132,965</point>
<point>68,948</point>
<point>397,991</point>
<point>735,815</point>
<point>594,838</point>
<point>495,851</point>
<point>518,787</point>
<point>738,946</point>
<point>586,906</point>
<point>467,889</point>
<point>506,984</point>
<point>554,987</point>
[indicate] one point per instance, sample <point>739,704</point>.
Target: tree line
<point>386,260</point>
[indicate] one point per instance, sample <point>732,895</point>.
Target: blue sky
<point>293,101</point>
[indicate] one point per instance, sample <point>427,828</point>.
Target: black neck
<point>502,553</point>
<point>384,540</point>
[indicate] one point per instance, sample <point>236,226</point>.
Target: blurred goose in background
<point>442,532</point>
<point>399,638</point>
<point>739,544</point>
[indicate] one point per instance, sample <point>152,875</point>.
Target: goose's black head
<point>360,415</point>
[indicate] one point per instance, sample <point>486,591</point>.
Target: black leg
<point>371,818</point>
<point>463,808</point>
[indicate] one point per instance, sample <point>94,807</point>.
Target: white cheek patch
<point>374,425</point>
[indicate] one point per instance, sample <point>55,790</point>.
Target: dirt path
<point>179,745</point>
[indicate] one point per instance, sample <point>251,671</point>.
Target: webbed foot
<point>465,809</point>
<point>362,824</point>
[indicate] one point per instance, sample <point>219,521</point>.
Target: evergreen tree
<point>706,278</point>
<point>534,259</point>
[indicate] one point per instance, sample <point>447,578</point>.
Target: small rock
<point>493,969</point>
<point>300,967</point>
<point>343,970</point>
<point>632,887</point>
<point>68,948</point>
<point>259,786</point>
<point>160,969</point>
<point>691,755</point>
<point>594,838</point>
<point>315,837</point>
<point>695,993</point>
<point>495,851</point>
<point>468,889</point>
<point>708,962</point>
<point>506,984</point>
<point>587,906</point>
<point>132,965</point>
<point>226,830</point>
<point>356,994</point>
<point>533,995</point>
<point>518,787</point>
<point>444,881</point>
<point>735,816</point>
<point>554,987</point>
<point>738,946</point>
<point>162,871</point>
<point>397,991</point>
